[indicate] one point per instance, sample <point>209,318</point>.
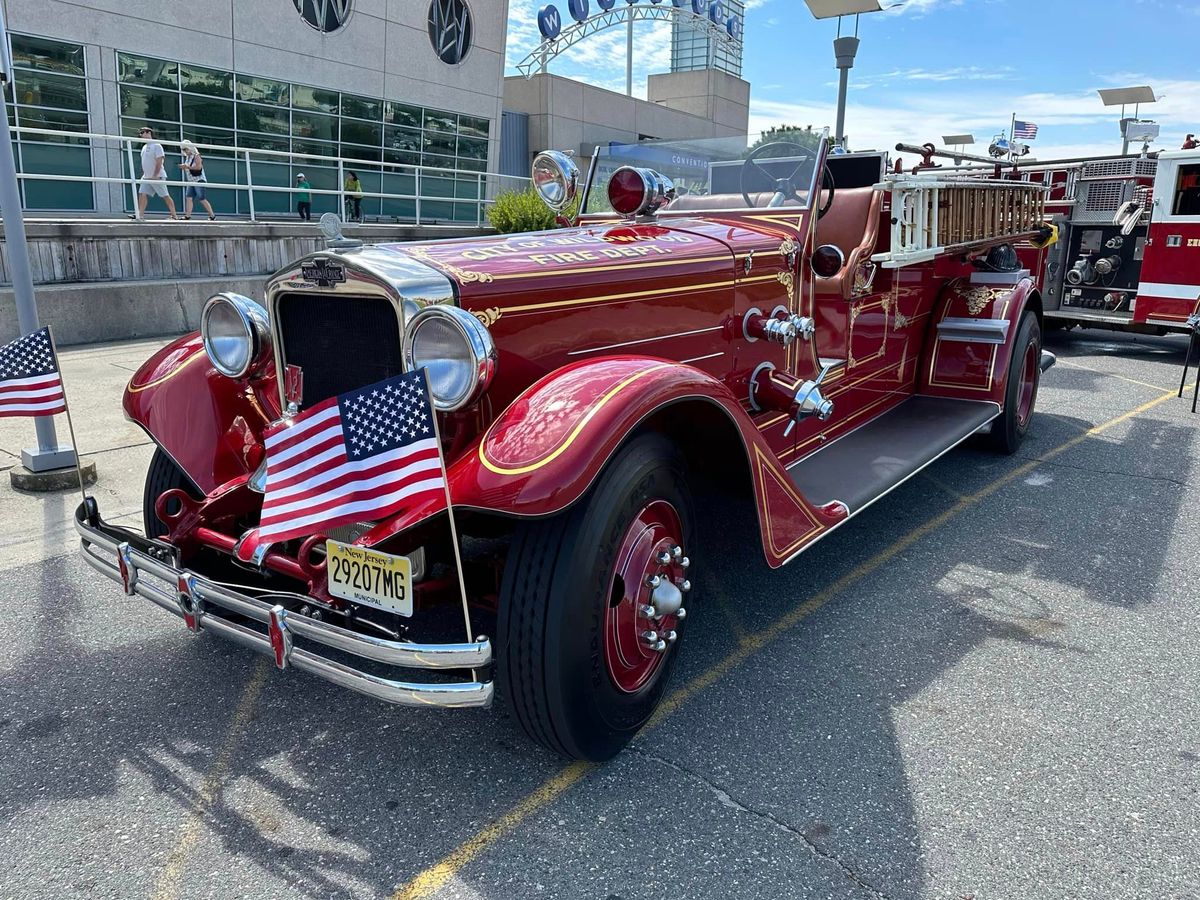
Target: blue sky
<point>935,67</point>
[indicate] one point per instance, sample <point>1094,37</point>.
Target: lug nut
<point>684,563</point>
<point>681,613</point>
<point>685,586</point>
<point>663,558</point>
<point>650,637</point>
<point>648,611</point>
<point>653,581</point>
<point>671,637</point>
<point>677,551</point>
<point>661,646</point>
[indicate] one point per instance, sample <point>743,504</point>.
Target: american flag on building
<point>365,454</point>
<point>30,382</point>
<point>1024,131</point>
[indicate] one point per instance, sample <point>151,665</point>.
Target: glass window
<point>262,118</point>
<point>1187,192</point>
<point>473,165</point>
<point>362,107</point>
<point>200,80</point>
<point>314,148</point>
<point>261,142</point>
<point>204,111</point>
<point>39,53</point>
<point>59,121</point>
<point>438,162</point>
<point>163,131</point>
<point>440,143</point>
<point>400,114</point>
<point>403,139</point>
<point>403,157</point>
<point>439,121</point>
<point>472,126</point>
<point>147,71</point>
<point>55,159</point>
<point>147,104</point>
<point>472,148</point>
<point>219,136</point>
<point>361,133</point>
<point>48,89</point>
<point>350,151</point>
<point>312,125</point>
<point>262,90</point>
<point>304,97</point>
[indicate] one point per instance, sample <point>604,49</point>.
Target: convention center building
<point>412,96</point>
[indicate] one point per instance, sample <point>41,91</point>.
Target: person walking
<point>303,198</point>
<point>193,173</point>
<point>154,173</point>
<point>354,195</point>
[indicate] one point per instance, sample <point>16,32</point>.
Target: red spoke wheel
<point>638,630</point>
<point>1021,386</point>
<point>591,605</point>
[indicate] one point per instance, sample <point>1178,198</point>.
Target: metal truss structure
<point>539,58</point>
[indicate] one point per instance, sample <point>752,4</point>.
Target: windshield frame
<point>593,181</point>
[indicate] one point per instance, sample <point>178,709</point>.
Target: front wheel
<point>591,607</point>
<point>1021,388</point>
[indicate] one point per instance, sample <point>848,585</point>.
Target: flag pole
<point>1012,129</point>
<point>458,564</point>
<point>70,421</point>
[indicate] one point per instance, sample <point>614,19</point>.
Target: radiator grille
<point>340,342</point>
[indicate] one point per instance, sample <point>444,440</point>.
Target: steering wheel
<point>785,188</point>
<point>827,184</point>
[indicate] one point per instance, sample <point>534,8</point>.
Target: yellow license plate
<point>368,576</point>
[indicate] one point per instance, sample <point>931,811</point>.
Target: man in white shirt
<point>154,173</point>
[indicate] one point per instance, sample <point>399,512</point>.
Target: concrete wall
<point>569,115</point>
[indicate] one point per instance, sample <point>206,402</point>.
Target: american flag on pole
<point>1024,131</point>
<point>30,383</point>
<point>364,454</point>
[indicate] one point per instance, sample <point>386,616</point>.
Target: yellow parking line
<point>1071,365</point>
<point>431,880</point>
<point>172,873</point>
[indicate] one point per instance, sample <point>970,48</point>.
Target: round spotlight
<point>827,261</point>
<point>639,192</point>
<point>555,178</point>
<point>457,352</point>
<point>236,334</point>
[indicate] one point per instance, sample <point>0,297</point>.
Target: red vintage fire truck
<point>807,330</point>
<point>1127,254</point>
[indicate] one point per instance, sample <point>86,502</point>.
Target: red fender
<point>207,423</point>
<point>544,451</point>
<point>974,370</point>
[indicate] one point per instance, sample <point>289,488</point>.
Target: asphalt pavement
<point>986,686</point>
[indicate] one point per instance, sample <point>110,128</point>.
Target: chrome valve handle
<point>805,326</point>
<point>809,401</point>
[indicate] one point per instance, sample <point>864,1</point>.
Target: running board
<point>858,469</point>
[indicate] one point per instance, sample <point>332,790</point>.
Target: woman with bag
<point>193,174</point>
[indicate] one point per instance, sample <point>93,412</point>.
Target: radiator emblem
<point>323,272</point>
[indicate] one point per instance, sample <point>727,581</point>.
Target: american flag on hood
<point>1024,131</point>
<point>365,454</point>
<point>30,383</point>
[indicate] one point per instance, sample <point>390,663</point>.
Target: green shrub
<point>518,211</point>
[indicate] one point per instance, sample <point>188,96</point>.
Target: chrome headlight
<point>555,178</point>
<point>236,333</point>
<point>457,352</point>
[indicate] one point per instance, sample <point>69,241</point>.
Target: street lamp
<point>1122,97</point>
<point>844,48</point>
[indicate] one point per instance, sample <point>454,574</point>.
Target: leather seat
<point>713,202</point>
<point>851,225</point>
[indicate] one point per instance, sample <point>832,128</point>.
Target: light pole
<point>1122,97</point>
<point>48,455</point>
<point>958,141</point>
<point>844,48</point>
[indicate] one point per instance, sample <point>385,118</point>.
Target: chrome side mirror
<point>555,178</point>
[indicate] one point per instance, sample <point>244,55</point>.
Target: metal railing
<point>482,187</point>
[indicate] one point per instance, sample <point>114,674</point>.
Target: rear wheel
<point>163,475</point>
<point>1020,394</point>
<point>591,608</point>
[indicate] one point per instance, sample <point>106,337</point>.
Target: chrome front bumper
<point>127,557</point>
